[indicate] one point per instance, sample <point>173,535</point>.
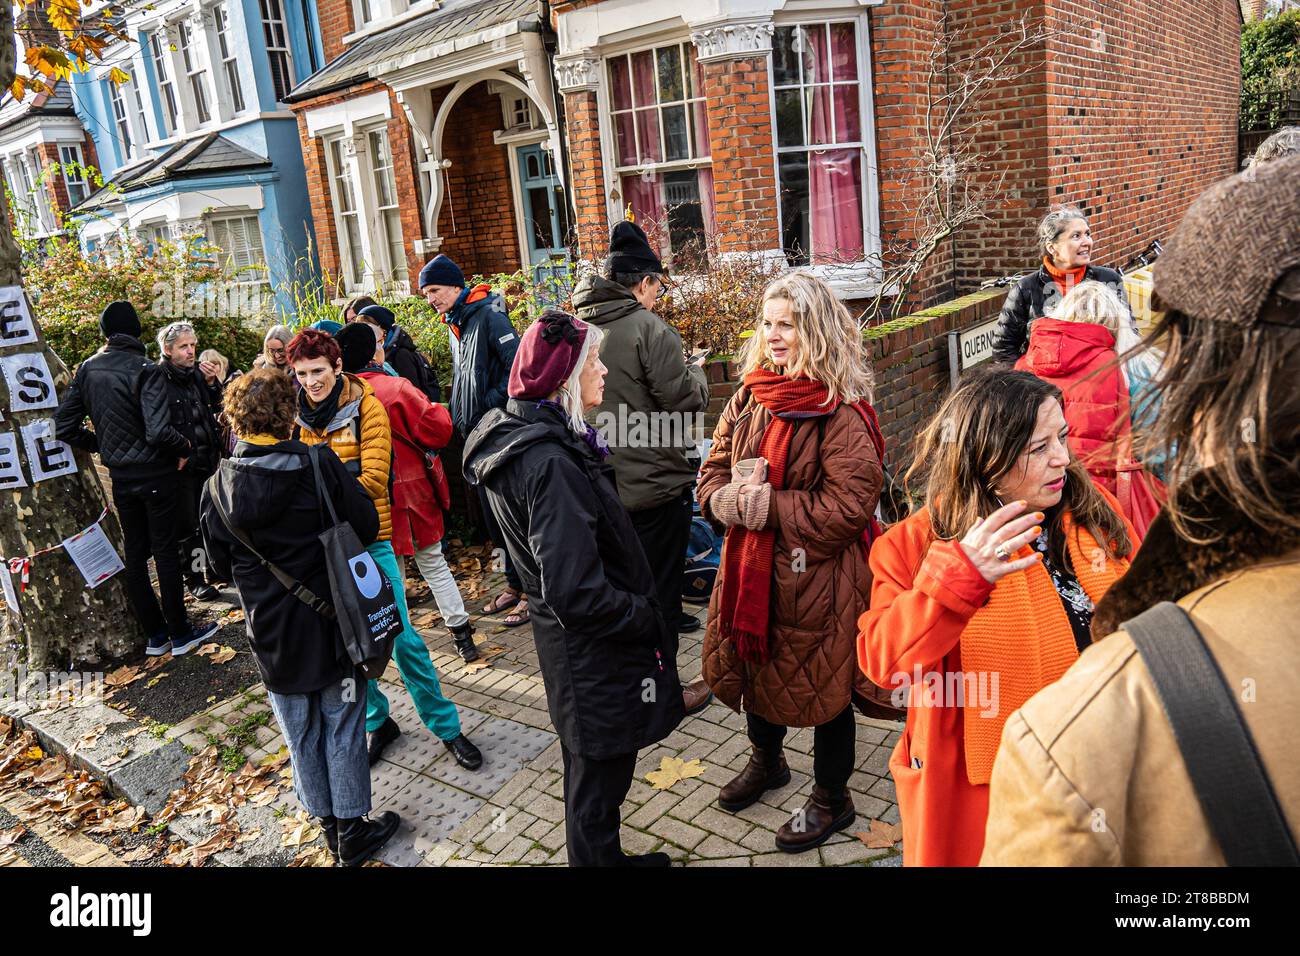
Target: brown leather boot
<point>822,816</point>
<point>696,696</point>
<point>766,770</point>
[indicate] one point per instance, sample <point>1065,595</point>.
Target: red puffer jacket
<point>419,494</point>
<point>1072,355</point>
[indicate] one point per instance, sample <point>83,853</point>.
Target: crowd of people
<point>1083,477</point>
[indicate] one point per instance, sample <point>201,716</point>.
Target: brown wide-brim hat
<point>1236,241</point>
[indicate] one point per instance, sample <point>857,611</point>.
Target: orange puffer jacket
<point>360,435</point>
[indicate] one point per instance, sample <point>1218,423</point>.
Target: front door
<point>543,219</point>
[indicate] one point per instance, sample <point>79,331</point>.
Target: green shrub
<point>1270,68</point>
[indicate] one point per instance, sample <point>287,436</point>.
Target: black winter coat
<point>269,492</point>
<point>405,359</point>
<point>125,396</point>
<point>608,661</point>
<point>1030,298</point>
<point>195,406</point>
<point>487,347</point>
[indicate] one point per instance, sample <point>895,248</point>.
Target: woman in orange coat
<point>983,596</point>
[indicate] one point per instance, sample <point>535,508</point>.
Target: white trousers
<point>434,570</point>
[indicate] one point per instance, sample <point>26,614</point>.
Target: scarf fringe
<point>750,647</point>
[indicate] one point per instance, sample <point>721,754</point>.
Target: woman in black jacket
<point>608,660</point>
<point>1066,244</point>
<point>265,496</point>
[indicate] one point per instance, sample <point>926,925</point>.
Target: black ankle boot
<point>463,637</point>
<point>360,838</point>
<point>388,732</point>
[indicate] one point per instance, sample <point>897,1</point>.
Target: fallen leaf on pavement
<point>673,769</point>
<point>155,680</point>
<point>9,857</point>
<point>314,856</point>
<point>299,830</point>
<point>145,851</point>
<point>207,649</point>
<point>12,835</point>
<point>223,655</point>
<point>126,674</point>
<point>882,836</point>
<point>91,737</point>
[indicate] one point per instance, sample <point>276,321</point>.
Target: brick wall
<point>477,222</point>
<point>335,23</point>
<point>740,143</point>
<point>1141,113</point>
<point>586,173</point>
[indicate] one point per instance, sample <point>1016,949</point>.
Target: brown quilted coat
<point>833,480</point>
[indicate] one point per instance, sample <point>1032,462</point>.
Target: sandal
<point>520,614</point>
<point>511,598</point>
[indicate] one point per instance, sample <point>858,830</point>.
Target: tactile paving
<point>430,813</point>
<point>506,745</point>
<point>417,748</point>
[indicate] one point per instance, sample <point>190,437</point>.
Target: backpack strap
<point>1230,781</point>
<point>290,583</point>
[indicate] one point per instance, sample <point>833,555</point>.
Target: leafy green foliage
<point>1270,68</point>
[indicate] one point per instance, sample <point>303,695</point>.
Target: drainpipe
<point>550,43</point>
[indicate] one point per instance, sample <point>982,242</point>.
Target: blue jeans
<point>326,735</point>
<point>414,664</point>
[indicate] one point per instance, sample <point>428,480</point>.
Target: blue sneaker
<point>159,644</point>
<point>196,636</point>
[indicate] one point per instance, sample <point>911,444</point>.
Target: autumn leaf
<point>119,76</point>
<point>883,835</point>
<point>11,836</point>
<point>299,831</point>
<point>65,15</point>
<point>208,649</point>
<point>145,851</point>
<point>126,674</point>
<point>18,88</point>
<point>673,769</point>
<point>223,655</point>
<point>48,60</point>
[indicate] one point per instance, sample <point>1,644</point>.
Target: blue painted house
<point>198,141</point>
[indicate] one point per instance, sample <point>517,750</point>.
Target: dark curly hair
<point>313,343</point>
<point>261,402</point>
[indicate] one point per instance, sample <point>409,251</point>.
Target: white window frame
<point>846,278</point>
<point>70,154</point>
<point>392,273</point>
<point>273,19</point>
<point>168,94</point>
<point>339,166</point>
<point>609,137</point>
<point>227,56</point>
<point>237,271</point>
<point>121,122</point>
<point>191,44</point>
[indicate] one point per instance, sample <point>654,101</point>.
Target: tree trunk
<point>63,623</point>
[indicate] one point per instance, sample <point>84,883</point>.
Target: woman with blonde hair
<point>1080,349</point>
<point>794,475</point>
<point>983,596</point>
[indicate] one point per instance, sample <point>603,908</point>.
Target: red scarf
<point>747,555</point>
<point>1066,279</point>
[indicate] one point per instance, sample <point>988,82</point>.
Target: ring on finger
<point>1002,552</point>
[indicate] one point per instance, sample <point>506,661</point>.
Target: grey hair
<point>168,335</point>
<point>570,393</point>
<point>1285,142</point>
<point>279,332</point>
<point>1053,224</point>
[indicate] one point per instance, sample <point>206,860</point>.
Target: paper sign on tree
<point>31,385</point>
<point>47,457</point>
<point>16,326</point>
<point>11,469</point>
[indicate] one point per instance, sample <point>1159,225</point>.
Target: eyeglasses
<point>276,351</point>
<point>663,288</point>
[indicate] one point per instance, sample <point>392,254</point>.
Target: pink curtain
<point>647,120</point>
<point>706,202</point>
<point>646,197</point>
<point>834,176</point>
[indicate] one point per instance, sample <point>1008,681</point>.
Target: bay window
<point>661,141</point>
<point>388,211</point>
<point>347,216</point>
<point>195,71</point>
<point>820,141</point>
<point>158,48</point>
<point>240,240</point>
<point>120,124</point>
<point>226,50</point>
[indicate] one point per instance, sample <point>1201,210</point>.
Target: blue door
<point>543,219</point>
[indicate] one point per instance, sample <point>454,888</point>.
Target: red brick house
<point>493,130</point>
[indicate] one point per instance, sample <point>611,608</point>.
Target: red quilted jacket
<point>419,493</point>
<point>1074,356</point>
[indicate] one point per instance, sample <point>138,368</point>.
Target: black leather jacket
<point>125,396</point>
<point>1029,299</point>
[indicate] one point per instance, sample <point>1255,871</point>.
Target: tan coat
<point>820,578</point>
<point>1089,772</point>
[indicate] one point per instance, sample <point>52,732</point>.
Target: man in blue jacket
<point>483,345</point>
